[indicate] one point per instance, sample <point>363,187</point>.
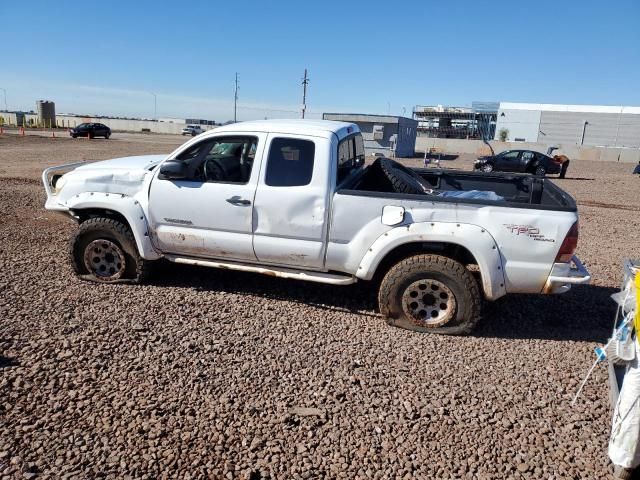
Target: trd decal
<point>528,231</point>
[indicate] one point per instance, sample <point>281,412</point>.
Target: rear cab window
<point>290,162</point>
<point>350,156</point>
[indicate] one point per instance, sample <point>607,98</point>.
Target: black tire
<point>106,136</point>
<point>450,278</point>
<point>540,171</point>
<point>116,235</point>
<point>74,136</point>
<point>402,179</point>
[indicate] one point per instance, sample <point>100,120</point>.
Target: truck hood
<point>141,162</point>
<point>120,175</point>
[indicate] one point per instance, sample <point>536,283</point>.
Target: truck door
<point>291,205</point>
<point>208,213</point>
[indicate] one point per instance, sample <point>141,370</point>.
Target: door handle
<point>236,200</point>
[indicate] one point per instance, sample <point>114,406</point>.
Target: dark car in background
<point>523,161</point>
<point>90,130</point>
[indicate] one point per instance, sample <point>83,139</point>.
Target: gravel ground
<point>215,374</point>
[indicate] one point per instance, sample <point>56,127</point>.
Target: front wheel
<point>104,250</point>
<point>487,168</point>
<point>540,171</point>
<point>430,293</point>
<point>106,136</point>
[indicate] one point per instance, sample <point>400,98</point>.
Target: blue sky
<point>370,56</point>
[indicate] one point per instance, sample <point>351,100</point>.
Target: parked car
<point>294,199</point>
<point>90,130</point>
<point>192,130</point>
<point>523,161</point>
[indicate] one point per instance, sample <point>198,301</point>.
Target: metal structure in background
<point>46,113</point>
<point>475,122</point>
<point>389,135</point>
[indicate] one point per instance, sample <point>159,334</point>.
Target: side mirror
<point>173,170</point>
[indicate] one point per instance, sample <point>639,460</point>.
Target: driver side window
<point>511,156</point>
<point>223,159</point>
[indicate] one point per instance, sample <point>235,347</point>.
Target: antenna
<point>305,82</point>
<point>235,101</point>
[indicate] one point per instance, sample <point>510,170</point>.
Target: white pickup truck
<point>294,199</point>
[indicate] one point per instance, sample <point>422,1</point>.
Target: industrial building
<point>46,113</point>
<point>588,125</point>
<point>382,134</point>
<point>475,122</point>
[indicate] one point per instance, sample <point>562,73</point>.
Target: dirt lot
<point>206,373</point>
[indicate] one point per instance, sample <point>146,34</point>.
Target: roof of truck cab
<point>316,128</point>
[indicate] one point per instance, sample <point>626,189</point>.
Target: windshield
<point>83,125</point>
<point>224,149</point>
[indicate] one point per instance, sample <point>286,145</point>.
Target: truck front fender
<point>124,205</point>
<point>479,242</point>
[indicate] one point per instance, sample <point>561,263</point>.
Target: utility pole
<point>305,82</point>
<point>235,101</point>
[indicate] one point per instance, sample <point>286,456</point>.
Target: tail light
<point>569,245</point>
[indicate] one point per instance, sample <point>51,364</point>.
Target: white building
<point>591,125</point>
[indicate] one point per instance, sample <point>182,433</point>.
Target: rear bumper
<point>563,275</point>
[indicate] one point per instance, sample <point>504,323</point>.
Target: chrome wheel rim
<point>429,303</point>
<point>487,168</point>
<point>104,259</point>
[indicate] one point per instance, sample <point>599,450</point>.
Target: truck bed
<point>517,190</point>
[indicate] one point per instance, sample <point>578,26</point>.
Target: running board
<point>318,277</point>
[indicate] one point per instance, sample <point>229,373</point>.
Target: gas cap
<point>392,215</point>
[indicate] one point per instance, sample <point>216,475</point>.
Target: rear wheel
<point>104,250</point>
<point>430,293</point>
<point>540,171</point>
<point>106,136</point>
